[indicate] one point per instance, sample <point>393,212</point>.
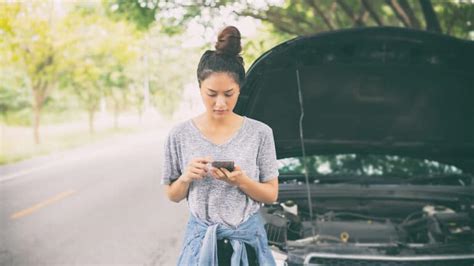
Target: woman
<point>224,225</point>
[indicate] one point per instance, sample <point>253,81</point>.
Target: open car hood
<point>370,90</point>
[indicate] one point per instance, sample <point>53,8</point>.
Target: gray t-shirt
<point>252,148</point>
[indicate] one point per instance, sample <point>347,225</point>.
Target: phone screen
<point>229,165</point>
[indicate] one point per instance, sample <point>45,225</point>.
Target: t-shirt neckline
<point>229,140</point>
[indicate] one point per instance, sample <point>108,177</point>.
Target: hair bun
<point>228,41</point>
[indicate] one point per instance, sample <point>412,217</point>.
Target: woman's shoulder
<point>180,129</point>
<point>258,126</point>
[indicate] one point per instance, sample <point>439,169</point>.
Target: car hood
<point>370,90</point>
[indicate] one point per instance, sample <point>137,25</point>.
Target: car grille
<point>362,262</point>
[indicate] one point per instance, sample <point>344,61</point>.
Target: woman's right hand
<point>196,169</point>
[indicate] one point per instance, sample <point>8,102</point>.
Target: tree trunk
<point>36,123</point>
<point>116,117</point>
<point>432,22</point>
<point>140,115</point>
<point>2,136</point>
<point>91,121</point>
<point>410,13</point>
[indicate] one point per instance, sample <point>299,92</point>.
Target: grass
<point>17,143</point>
<point>14,151</point>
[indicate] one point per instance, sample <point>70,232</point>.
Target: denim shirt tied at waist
<point>200,242</point>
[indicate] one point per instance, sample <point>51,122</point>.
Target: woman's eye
<point>212,95</point>
<point>229,95</point>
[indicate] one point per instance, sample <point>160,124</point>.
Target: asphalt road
<point>99,205</point>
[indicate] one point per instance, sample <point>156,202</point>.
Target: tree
<point>306,17</point>
<point>34,48</point>
<point>311,16</point>
<point>99,59</point>
<point>170,66</point>
<point>12,98</point>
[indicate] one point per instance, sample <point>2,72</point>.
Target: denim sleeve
<point>171,162</point>
<point>266,158</point>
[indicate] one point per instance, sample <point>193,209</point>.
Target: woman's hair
<point>225,58</point>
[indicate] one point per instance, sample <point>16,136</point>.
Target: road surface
<point>98,205</point>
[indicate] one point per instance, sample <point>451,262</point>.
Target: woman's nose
<point>220,101</point>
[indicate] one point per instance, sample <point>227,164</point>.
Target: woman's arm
<point>178,190</point>
<point>266,192</point>
<point>197,169</point>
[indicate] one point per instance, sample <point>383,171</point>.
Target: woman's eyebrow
<point>229,90</point>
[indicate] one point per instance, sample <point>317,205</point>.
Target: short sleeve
<point>171,166</point>
<point>266,158</point>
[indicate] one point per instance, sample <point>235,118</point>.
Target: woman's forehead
<point>221,80</point>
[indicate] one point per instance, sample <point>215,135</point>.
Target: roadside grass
<point>17,142</point>
<point>17,149</point>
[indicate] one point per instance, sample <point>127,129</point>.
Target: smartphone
<point>229,165</point>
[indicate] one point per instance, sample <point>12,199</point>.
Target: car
<point>374,134</point>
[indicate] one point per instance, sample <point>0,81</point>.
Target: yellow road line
<point>42,204</point>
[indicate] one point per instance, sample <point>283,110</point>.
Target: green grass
<point>21,146</point>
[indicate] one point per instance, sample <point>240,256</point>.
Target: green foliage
<point>140,12</point>
<point>7,14</point>
<point>166,100</point>
<point>255,47</point>
<point>457,19</point>
<point>306,17</point>
<point>366,164</point>
<point>99,57</point>
<point>13,92</point>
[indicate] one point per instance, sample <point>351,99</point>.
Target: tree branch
<point>294,18</point>
<point>349,12</point>
<point>277,19</point>
<point>283,28</point>
<point>372,12</point>
<point>318,11</point>
<point>411,15</point>
<point>432,22</point>
<point>362,17</point>
<point>401,15</point>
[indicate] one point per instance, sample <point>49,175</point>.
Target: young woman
<point>224,226</point>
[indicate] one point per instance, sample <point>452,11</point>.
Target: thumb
<point>206,159</point>
<point>237,168</point>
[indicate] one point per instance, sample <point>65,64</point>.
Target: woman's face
<point>219,94</point>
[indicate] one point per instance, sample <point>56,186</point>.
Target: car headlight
<point>279,256</point>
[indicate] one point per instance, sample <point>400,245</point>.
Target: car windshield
<point>366,165</point>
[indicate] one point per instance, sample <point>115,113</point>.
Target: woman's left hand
<point>234,178</point>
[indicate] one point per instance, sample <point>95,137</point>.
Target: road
<point>98,205</point>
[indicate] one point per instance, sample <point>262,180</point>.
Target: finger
<point>213,172</point>
<point>237,168</point>
<point>195,176</point>
<point>225,171</point>
<point>200,166</point>
<point>219,173</point>
<point>203,160</point>
<point>198,171</point>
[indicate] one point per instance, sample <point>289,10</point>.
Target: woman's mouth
<point>219,112</point>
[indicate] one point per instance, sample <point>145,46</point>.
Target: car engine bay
<point>430,225</point>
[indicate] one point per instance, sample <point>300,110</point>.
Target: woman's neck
<point>208,120</point>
